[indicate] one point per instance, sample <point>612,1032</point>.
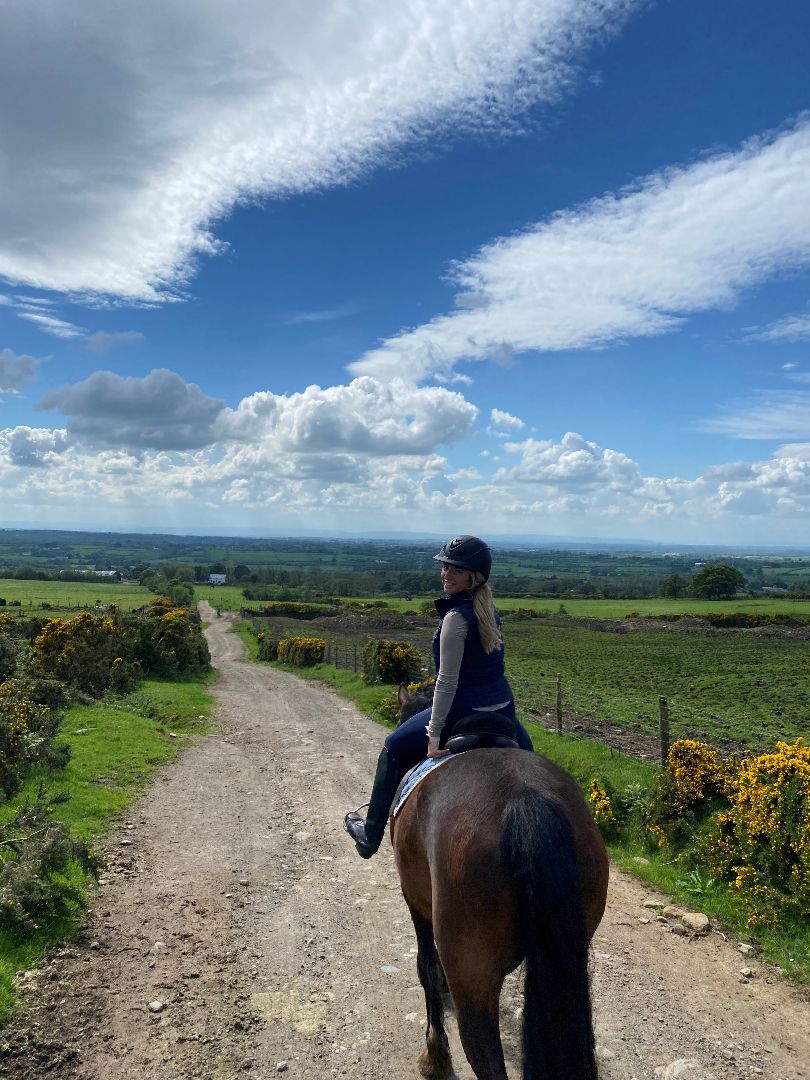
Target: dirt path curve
<point>236,902</point>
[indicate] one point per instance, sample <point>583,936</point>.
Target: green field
<point>615,609</point>
<point>723,686</point>
<point>69,595</point>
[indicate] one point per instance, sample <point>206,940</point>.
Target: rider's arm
<point>451,649</point>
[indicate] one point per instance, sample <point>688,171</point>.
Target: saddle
<point>479,730</point>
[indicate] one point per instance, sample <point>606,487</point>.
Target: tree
<point>717,581</point>
<point>672,587</point>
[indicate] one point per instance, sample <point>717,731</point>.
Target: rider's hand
<point>434,751</point>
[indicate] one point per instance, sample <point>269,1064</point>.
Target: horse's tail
<point>538,845</point>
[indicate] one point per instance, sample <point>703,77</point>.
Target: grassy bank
<point>115,748</point>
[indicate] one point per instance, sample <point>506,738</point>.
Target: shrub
<point>291,610</point>
<point>391,662</point>
<point>8,656</point>
<point>26,731</point>
<point>688,790</point>
<point>268,648</point>
<point>301,651</point>
<point>37,854</point>
<point>80,651</point>
<point>761,844</point>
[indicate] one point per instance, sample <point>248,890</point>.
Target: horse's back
<point>448,837</point>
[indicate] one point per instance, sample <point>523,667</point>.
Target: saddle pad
<point>415,776</point>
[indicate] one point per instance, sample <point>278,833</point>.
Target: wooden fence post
<point>663,728</point>
<point>559,704</point>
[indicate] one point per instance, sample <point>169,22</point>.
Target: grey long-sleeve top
<point>452,636</point>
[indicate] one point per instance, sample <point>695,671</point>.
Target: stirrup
<point>355,812</point>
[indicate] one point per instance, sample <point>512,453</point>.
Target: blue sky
<point>504,267</point>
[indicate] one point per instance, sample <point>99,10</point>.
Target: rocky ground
<point>237,934</point>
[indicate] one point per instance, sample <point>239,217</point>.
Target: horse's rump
<point>500,861</point>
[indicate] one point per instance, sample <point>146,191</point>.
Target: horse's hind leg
<point>475,977</point>
<point>434,1061</point>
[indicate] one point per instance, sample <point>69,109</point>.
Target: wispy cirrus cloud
<point>631,264</point>
<point>790,328</point>
<point>168,115</point>
<point>303,318</point>
<point>777,414</point>
<point>53,325</point>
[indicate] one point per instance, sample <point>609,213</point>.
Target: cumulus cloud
<point>159,411</point>
<point>15,371</point>
<point>501,419</point>
<point>126,139</point>
<point>542,485</point>
<point>364,417</point>
<point>29,447</point>
<point>626,265</point>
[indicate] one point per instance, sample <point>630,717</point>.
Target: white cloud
<point>791,328</point>
<point>15,371</point>
<point>778,414</point>
<point>28,447</point>
<point>159,411</point>
<point>303,318</point>
<point>501,419</point>
<point>626,265</point>
<point>126,139</point>
<point>52,325</point>
<point>573,485</point>
<point>365,417</point>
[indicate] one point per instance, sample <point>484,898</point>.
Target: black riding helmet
<point>468,552</point>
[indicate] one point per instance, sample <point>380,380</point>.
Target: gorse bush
<point>26,733</point>
<point>744,821</point>
<point>94,653</point>
<point>37,853</point>
<point>80,651</point>
<point>267,648</point>
<point>301,651</point>
<point>391,662</point>
<point>294,610</point>
<point>761,843</point>
<point>695,781</point>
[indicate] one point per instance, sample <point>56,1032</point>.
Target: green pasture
<point>225,597</point>
<point>613,609</point>
<point>69,595</point>
<point>725,686</point>
<point>115,746</point>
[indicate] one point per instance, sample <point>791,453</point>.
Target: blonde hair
<point>484,607</point>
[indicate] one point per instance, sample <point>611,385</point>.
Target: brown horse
<point>500,862</point>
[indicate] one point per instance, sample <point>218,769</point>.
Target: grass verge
<point>115,746</point>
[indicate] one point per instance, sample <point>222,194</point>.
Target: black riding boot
<point>368,834</point>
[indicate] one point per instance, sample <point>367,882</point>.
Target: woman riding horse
<point>468,656</point>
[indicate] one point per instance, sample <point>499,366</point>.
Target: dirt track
<point>236,901</point>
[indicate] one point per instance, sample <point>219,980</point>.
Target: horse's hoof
<point>436,1066</point>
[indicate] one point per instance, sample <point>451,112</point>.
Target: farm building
<point>217,579</point>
